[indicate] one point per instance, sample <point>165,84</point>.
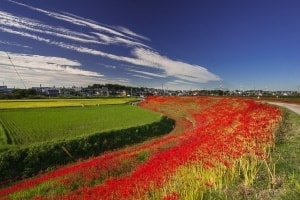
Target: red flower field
<point>215,141</point>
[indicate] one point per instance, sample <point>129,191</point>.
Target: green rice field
<point>23,126</point>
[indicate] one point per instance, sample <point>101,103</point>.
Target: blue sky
<point>192,44</point>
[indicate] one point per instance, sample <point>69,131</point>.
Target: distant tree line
<point>117,90</point>
<point>113,89</point>
<point>19,94</point>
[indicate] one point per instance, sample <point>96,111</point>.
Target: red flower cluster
<point>208,131</point>
<point>228,129</point>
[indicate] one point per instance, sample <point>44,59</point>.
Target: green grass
<point>28,126</point>
<point>31,103</point>
<point>287,154</point>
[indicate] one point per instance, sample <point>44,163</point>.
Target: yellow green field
<point>42,103</point>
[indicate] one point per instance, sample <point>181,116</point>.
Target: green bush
<point>28,161</point>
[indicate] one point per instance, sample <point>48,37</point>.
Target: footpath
<point>292,107</point>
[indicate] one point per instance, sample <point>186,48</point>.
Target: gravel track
<point>292,107</point>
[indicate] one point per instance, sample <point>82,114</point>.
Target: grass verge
<point>287,157</point>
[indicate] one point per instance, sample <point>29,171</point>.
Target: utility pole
<point>9,58</point>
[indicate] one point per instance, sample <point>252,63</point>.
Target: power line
<point>16,70</point>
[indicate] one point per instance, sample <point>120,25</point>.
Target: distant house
<point>49,91</point>
<point>52,92</point>
<point>103,91</point>
<point>3,88</point>
<point>66,92</point>
<point>123,93</point>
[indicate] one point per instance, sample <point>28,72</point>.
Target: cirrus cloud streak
<point>88,37</point>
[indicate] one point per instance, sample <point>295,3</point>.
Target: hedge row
<point>28,161</point>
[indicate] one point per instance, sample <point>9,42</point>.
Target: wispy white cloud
<point>90,40</point>
<point>15,24</point>
<point>142,76</point>
<point>14,44</point>
<point>129,32</point>
<point>115,35</point>
<point>179,82</point>
<point>57,64</point>
<point>24,34</point>
<point>107,66</point>
<point>121,80</point>
<point>30,28</point>
<point>36,69</point>
<point>148,73</point>
<point>178,69</point>
<point>106,39</point>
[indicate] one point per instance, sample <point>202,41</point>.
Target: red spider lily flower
<point>172,196</point>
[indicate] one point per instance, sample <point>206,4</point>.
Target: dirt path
<point>292,107</point>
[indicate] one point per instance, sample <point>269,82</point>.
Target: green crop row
<point>34,125</point>
<point>29,160</point>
